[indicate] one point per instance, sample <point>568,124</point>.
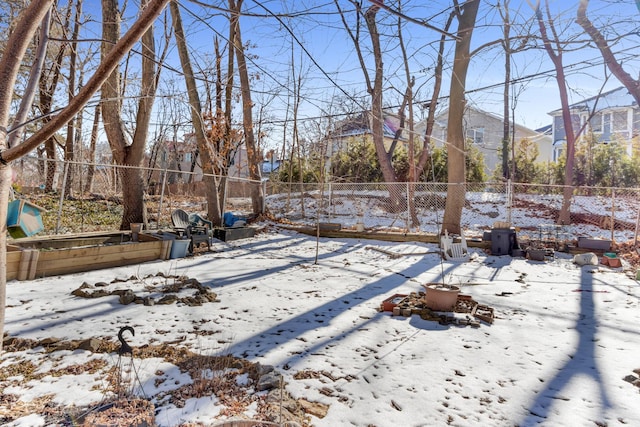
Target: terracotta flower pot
<point>440,297</point>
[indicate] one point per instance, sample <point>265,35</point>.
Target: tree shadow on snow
<point>321,318</point>
<point>583,362</point>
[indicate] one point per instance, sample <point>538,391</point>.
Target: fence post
<point>635,232</point>
<point>408,207</point>
<point>509,200</point>
<point>164,183</point>
<point>330,207</point>
<point>264,196</point>
<point>63,187</point>
<point>613,214</point>
<point>225,195</point>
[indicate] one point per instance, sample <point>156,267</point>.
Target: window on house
<point>619,121</point>
<point>606,123</point>
<point>476,135</point>
<point>559,148</point>
<point>187,157</point>
<point>596,123</point>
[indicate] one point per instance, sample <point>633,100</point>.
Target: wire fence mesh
<point>80,197</point>
<point>608,213</point>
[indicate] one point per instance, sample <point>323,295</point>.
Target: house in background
<point>485,131</point>
<point>175,157</point>
<point>358,128</point>
<point>182,160</point>
<point>611,116</point>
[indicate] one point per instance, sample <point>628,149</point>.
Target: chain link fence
<point>608,213</point>
<point>81,197</point>
<point>91,201</point>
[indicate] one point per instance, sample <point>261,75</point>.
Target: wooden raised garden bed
<point>55,255</point>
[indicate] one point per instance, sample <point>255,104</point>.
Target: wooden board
<point>75,260</point>
<point>78,240</point>
<point>13,262</point>
<point>55,255</point>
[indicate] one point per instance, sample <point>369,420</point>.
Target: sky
<point>563,339</point>
<point>325,54</point>
<point>311,36</point>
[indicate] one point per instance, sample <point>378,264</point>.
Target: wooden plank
<point>67,261</point>
<point>385,236</point>
<point>61,269</point>
<point>33,264</point>
<point>13,263</point>
<point>84,239</point>
<point>23,266</point>
<point>64,237</point>
<point>97,251</point>
<point>86,263</point>
<point>91,255</point>
<point>166,249</point>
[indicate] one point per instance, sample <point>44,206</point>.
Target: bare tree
<point>456,194</point>
<point>130,155</point>
<point>374,85</point>
<point>253,156</point>
<point>632,85</point>
<point>214,208</point>
<point>12,60</point>
<point>506,45</point>
<point>93,139</point>
<point>75,123</point>
<point>16,133</point>
<point>511,44</point>
<point>407,100</point>
<point>47,85</point>
<point>425,154</point>
<point>555,54</point>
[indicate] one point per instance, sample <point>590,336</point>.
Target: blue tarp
<point>230,219</point>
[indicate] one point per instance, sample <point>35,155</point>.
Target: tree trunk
<point>92,150</point>
<point>632,85</point>
<point>10,63</point>
<point>506,92</point>
<point>377,113</point>
<point>214,211</point>
<point>32,86</point>
<point>556,57</point>
<point>425,154</point>
<point>253,157</point>
<point>128,156</point>
<point>48,84</point>
<point>69,153</point>
<point>456,193</point>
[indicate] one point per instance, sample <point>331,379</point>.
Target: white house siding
<point>616,116</point>
<point>492,131</point>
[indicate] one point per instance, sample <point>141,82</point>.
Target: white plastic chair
<point>454,251</point>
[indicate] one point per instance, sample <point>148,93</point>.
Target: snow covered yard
<point>563,340</point>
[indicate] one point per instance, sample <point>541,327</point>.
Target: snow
<point>563,339</point>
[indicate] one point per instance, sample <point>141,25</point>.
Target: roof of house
<point>619,97</point>
<point>269,166</point>
<point>360,125</point>
<point>545,130</point>
<point>441,119</point>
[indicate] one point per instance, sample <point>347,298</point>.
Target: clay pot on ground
<point>440,297</point>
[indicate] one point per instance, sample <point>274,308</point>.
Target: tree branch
<point>106,67</point>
